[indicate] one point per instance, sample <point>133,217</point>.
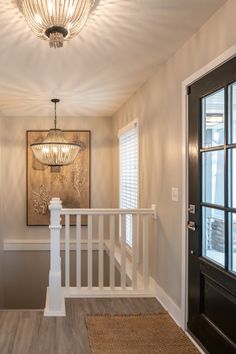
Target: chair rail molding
<point>41,245</point>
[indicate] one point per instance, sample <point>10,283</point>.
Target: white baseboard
<point>173,309</point>
<point>168,304</point>
<point>105,292</point>
<point>156,290</point>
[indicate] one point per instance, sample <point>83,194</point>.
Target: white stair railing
<point>131,262</point>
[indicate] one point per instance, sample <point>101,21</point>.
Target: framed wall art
<point>71,184</point>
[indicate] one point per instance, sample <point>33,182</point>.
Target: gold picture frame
<point>71,184</point>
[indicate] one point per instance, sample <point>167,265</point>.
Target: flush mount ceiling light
<point>56,20</point>
<point>55,151</point>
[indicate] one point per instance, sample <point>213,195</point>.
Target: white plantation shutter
<point>128,149</point>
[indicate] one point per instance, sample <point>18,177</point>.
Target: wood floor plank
<point>8,327</point>
<point>29,332</point>
<point>27,326</point>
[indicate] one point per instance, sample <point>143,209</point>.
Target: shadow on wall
<point>26,277</point>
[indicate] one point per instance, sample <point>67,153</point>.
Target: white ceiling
<point>120,47</point>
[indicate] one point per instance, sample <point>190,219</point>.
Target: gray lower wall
<point>26,277</point>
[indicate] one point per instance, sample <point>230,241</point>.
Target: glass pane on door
<point>232,126</point>
<point>213,108</point>
<point>233,241</point>
<point>213,241</point>
<point>213,177</point>
<point>232,177</point>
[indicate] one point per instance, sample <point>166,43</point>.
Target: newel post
<point>55,305</point>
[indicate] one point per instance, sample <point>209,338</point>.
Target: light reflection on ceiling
<point>120,47</point>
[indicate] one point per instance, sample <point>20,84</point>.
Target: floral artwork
<point>71,184</point>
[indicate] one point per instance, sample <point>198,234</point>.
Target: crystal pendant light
<point>56,20</point>
<point>55,151</point>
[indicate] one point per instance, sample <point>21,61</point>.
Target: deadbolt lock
<point>192,209</point>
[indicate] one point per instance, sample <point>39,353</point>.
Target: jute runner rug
<point>137,334</point>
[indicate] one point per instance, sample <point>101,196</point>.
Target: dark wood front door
<point>212,210</point>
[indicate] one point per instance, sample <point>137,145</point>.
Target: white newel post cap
<point>55,204</point>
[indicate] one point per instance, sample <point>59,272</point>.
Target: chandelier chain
<point>55,115</point>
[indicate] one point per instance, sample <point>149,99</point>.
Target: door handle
<point>191,225</point>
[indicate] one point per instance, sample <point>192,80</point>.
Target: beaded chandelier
<point>55,151</point>
<point>56,20</point>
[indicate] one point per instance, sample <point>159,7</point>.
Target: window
<point>128,151</point>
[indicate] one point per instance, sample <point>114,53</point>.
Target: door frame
<point>212,65</point>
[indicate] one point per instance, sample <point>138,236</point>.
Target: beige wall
<point>157,105</point>
<point>13,190</point>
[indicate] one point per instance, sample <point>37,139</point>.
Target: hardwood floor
<point>28,332</point>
